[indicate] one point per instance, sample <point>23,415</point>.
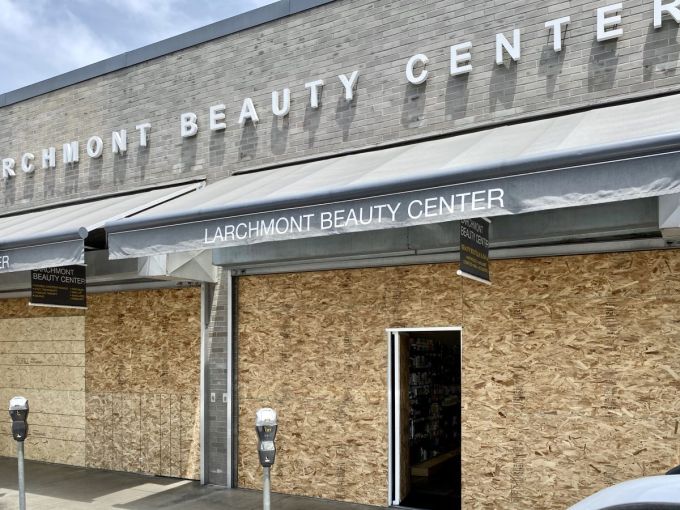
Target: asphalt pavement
<point>57,487</point>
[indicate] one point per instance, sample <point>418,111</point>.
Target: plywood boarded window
<point>570,374</point>
<point>99,367</point>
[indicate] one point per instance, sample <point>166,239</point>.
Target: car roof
<point>653,489</point>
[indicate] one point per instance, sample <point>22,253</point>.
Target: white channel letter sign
<point>608,22</point>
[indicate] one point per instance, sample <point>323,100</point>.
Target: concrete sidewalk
<point>55,487</point>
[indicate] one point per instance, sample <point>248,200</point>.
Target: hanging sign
<point>474,249</point>
<point>62,287</point>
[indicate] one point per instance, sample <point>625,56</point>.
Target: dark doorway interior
<point>433,412</point>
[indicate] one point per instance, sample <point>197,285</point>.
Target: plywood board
<point>190,437</point>
<point>144,342</point>
<point>325,336</point>
<point>42,358</point>
<point>303,456</point>
<point>127,441</point>
<point>150,456</point>
<point>143,349</point>
<point>98,368</point>
<point>19,309</point>
<point>570,374</point>
<point>100,426</point>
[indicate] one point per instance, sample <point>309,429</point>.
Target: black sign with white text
<point>474,249</point>
<point>63,287</point>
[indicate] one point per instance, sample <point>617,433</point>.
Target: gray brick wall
<point>376,37</point>
<point>216,421</point>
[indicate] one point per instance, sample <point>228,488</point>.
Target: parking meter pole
<point>266,490</point>
<point>18,411</point>
<point>20,462</point>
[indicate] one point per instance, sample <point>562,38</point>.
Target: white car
<point>651,493</point>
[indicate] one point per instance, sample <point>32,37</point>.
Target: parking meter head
<point>266,426</point>
<point>18,411</point>
<point>265,416</point>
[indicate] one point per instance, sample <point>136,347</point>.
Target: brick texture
<point>375,37</point>
<point>216,417</point>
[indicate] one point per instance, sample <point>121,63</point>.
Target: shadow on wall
<point>188,153</point>
<point>503,86</point>
<point>120,165</point>
<point>311,123</point>
<point>142,159</point>
<point>248,144</point>
<point>49,183</point>
<point>660,52</point>
<point>345,112</point>
<point>413,107</point>
<point>551,62</point>
<point>457,95</point>
<point>216,145</point>
<point>279,134</point>
<point>94,172</point>
<point>550,65</point>
<point>603,64</point>
<point>28,187</point>
<point>10,191</point>
<point>71,178</point>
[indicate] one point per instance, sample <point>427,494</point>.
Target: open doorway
<point>425,418</point>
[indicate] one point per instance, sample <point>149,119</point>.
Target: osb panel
<point>128,349</point>
<point>170,435</point>
<point>100,426</point>
<point>144,342</point>
<point>30,347</point>
<point>570,377</point>
<point>126,440</point>
<point>146,433</point>
<point>19,308</point>
<point>55,329</point>
<point>42,357</point>
<point>39,377</point>
<point>143,352</point>
<point>60,445</point>
<point>53,449</point>
<point>349,460</point>
<point>571,374</point>
<point>324,337</point>
<point>47,406</point>
<point>190,437</point>
<point>150,455</point>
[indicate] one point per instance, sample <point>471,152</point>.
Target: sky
<point>45,38</point>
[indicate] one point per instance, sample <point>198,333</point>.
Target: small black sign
<point>63,287</point>
<point>474,249</point>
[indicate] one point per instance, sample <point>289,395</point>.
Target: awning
<point>602,155</point>
<point>56,237</point>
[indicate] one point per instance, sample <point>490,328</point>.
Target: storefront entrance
<point>425,414</point>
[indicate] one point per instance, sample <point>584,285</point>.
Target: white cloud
<point>38,42</point>
<point>44,38</point>
<point>160,17</point>
<point>165,18</point>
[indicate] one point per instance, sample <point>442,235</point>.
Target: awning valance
<point>602,155</point>
<point>56,236</point>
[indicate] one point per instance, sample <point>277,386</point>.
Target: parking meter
<point>18,410</point>
<point>266,425</point>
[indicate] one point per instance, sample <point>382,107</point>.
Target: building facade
<point>277,201</point>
